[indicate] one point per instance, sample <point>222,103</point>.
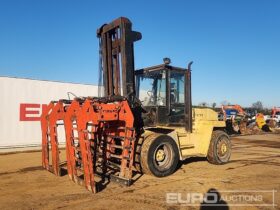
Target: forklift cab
<point>165,93</point>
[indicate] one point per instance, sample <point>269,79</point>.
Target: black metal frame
<point>188,98</point>
<point>117,40</point>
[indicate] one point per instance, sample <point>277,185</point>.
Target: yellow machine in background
<point>260,120</point>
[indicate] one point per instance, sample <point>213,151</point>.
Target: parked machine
<point>142,122</point>
<point>274,119</point>
<point>235,118</point>
<point>275,113</point>
<point>230,111</point>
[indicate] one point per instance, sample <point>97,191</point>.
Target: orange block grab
<point>99,137</point>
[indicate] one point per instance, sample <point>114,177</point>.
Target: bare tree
<point>257,105</point>
<point>214,105</point>
<point>203,104</point>
<point>225,103</point>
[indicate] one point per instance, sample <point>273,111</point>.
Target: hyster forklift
<point>142,121</point>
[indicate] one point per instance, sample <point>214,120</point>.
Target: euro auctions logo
<point>31,112</point>
<point>225,198</point>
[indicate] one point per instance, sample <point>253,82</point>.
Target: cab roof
<point>160,67</point>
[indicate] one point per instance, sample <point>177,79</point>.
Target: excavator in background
<point>235,118</point>
<point>245,121</point>
<point>141,122</point>
<point>232,110</point>
<point>275,112</point>
<point>274,119</point>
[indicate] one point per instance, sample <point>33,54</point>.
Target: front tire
<point>159,155</point>
<point>219,151</point>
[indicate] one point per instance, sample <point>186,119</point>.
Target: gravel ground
<point>254,166</point>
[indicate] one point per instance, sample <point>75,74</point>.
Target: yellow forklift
<point>141,120</point>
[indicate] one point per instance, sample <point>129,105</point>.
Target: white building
<point>22,101</point>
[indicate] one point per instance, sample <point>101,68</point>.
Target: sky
<point>234,44</point>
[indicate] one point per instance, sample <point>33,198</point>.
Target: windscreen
<point>151,88</point>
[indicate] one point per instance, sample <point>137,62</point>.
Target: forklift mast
<point>117,58</point>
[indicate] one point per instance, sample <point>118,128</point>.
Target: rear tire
<point>159,155</point>
<point>219,151</point>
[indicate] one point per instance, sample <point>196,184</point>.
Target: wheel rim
<point>223,149</point>
<point>162,157</point>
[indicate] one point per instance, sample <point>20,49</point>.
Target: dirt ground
<point>254,166</point>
